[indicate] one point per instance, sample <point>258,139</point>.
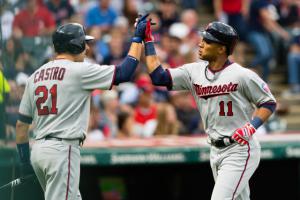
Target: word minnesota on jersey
<point>206,92</point>
<point>53,73</point>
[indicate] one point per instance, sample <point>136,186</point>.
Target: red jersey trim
<point>69,172</point>
<point>242,172</point>
<point>169,87</point>
<point>113,79</point>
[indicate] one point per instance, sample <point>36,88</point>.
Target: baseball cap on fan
<point>21,79</point>
<point>179,30</point>
<point>144,83</point>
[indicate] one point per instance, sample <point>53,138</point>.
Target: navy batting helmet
<point>70,38</point>
<point>221,33</point>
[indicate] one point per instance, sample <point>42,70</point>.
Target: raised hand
<point>148,32</point>
<point>140,28</point>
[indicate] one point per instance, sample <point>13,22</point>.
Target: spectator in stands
<point>4,94</point>
<point>289,18</point>
<point>261,25</point>
<point>17,88</point>
<point>109,119</point>
<point>12,104</point>
<point>178,33</point>
<point>130,11</point>
<point>98,48</point>
<point>33,20</point>
<point>102,15</point>
<point>167,122</point>
<point>117,48</point>
<point>62,10</point>
<point>289,14</point>
<point>235,13</point>
<point>190,19</point>
<point>125,124</point>
<point>122,24</point>
<point>293,61</point>
<point>94,133</point>
<point>186,112</point>
<point>146,109</point>
<point>190,4</point>
<point>6,21</point>
<point>168,14</point>
<point>14,59</point>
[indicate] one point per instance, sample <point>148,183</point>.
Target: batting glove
<point>148,33</point>
<point>140,28</point>
<point>243,135</point>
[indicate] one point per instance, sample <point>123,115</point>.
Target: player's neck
<point>65,56</point>
<point>217,64</point>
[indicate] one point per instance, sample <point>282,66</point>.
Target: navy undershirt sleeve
<point>269,105</point>
<point>125,70</point>
<point>161,77</point>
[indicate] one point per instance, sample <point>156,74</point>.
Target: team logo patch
<point>265,87</point>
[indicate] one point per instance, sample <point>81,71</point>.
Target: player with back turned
<point>233,102</point>
<point>57,101</point>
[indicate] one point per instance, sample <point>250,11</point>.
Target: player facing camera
<point>223,91</point>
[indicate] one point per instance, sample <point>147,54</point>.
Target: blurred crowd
<point>270,29</point>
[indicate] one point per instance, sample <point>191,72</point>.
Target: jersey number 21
<point>45,110</point>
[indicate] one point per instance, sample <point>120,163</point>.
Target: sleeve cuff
<point>25,119</point>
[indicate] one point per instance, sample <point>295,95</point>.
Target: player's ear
<point>222,49</point>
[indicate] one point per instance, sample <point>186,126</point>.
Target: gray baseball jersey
<point>57,97</point>
<point>227,100</point>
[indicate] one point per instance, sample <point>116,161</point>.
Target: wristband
<point>256,122</point>
<point>149,49</point>
<point>24,154</point>
<point>137,39</point>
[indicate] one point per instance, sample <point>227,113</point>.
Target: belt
<point>48,137</point>
<point>222,142</point>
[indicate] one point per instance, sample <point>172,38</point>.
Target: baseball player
<point>232,100</point>
<point>57,101</point>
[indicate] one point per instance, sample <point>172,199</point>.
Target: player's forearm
<point>126,69</point>
<point>22,141</point>
<point>158,74</point>
<point>22,132</point>
<point>262,114</point>
<point>152,63</point>
<point>135,50</point>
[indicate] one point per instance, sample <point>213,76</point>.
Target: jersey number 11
<point>222,108</point>
<point>44,110</point>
